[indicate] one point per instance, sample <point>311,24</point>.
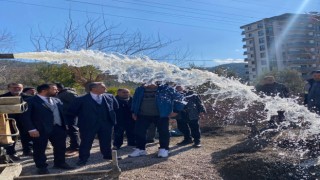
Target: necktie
<point>99,99</point>
<point>49,100</point>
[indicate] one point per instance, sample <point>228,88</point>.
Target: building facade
<point>288,41</point>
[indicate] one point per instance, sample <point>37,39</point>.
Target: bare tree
<point>42,41</point>
<point>6,41</point>
<point>96,34</point>
<point>3,79</point>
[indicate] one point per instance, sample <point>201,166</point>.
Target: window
<point>252,55</point>
<point>262,47</point>
<point>249,28</point>
<point>263,62</point>
<point>262,55</point>
<point>260,25</point>
<point>260,33</point>
<point>261,40</point>
<point>251,48</point>
<point>250,41</point>
<point>253,69</point>
<point>250,35</point>
<point>269,30</point>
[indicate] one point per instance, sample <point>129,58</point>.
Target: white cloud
<point>229,60</point>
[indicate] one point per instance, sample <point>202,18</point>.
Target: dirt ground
<point>227,153</point>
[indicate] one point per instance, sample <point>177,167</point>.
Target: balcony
<point>244,39</point>
<point>303,61</point>
<point>304,69</point>
<point>300,45</point>
<point>246,59</point>
<point>244,46</point>
<point>243,33</point>
<point>298,52</point>
<point>245,53</point>
<point>301,28</point>
<point>246,65</point>
<point>302,36</point>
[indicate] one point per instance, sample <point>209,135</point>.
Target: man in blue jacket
<point>154,103</point>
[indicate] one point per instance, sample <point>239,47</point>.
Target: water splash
<point>145,70</point>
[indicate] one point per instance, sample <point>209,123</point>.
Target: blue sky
<point>210,29</point>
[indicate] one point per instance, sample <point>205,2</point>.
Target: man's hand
<point>134,117</point>
<point>34,133</point>
<point>173,114</point>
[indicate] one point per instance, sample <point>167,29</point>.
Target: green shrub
<point>113,90</point>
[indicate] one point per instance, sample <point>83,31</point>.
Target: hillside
<point>238,68</point>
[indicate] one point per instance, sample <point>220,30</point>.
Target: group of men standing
<point>55,112</point>
<point>270,87</point>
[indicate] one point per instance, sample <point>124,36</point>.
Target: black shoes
<point>81,162</point>
<point>43,171</point>
<point>63,166</point>
<point>185,142</point>
<point>115,148</point>
<point>14,157</point>
<point>72,149</point>
<point>197,145</point>
<point>27,154</point>
<point>150,141</point>
<point>107,157</point>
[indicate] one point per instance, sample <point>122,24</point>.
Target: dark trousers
<point>104,131</point>
<point>24,137</point>
<point>151,132</point>
<point>73,133</point>
<point>185,125</point>
<point>119,130</point>
<point>58,140</point>
<point>142,124</point>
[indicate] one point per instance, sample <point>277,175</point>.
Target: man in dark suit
<point>44,121</point>
<point>96,115</point>
<point>15,89</point>
<point>67,95</point>
<point>125,123</point>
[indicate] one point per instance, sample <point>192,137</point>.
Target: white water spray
<point>145,70</point>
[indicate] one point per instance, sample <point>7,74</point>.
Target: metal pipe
<point>6,56</point>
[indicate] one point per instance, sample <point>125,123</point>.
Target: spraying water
<point>145,70</point>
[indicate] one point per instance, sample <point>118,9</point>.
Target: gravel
<point>222,149</point>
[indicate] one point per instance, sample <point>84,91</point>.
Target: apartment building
<point>286,41</point>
